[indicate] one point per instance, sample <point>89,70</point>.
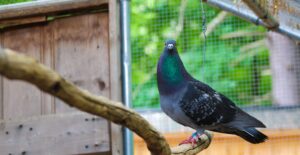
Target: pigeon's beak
<point>170,47</point>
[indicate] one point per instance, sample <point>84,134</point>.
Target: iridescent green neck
<point>171,69</point>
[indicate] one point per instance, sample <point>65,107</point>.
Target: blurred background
<point>257,69</point>
<point>236,57</point>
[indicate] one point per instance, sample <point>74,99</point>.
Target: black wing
<point>205,106</point>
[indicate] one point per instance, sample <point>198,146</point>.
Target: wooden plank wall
<point>54,134</point>
<point>280,142</point>
<point>87,63</point>
<point>78,48</point>
<point>20,99</point>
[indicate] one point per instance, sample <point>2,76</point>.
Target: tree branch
<point>18,66</point>
<point>214,23</point>
<point>188,149</point>
<point>262,13</point>
<point>180,24</point>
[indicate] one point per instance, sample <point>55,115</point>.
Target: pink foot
<point>192,140</point>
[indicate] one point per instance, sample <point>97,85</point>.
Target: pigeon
<point>194,104</point>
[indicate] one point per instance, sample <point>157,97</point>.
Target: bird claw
<point>194,139</point>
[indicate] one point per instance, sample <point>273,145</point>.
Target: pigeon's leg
<point>194,138</point>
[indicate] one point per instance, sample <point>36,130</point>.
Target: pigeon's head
<point>170,46</point>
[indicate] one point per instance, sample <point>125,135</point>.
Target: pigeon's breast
<point>170,105</point>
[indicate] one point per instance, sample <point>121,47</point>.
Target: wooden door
<point>33,122</point>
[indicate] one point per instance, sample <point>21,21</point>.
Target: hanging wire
<point>204,28</point>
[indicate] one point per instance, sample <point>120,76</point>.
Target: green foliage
<point>3,2</point>
<point>227,68</point>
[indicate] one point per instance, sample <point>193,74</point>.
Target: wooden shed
<point>80,40</point>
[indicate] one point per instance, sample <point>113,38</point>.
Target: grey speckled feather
<point>195,104</point>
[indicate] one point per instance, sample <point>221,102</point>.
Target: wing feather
<point>204,106</point>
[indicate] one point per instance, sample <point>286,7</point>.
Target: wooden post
<point>285,67</point>
<point>116,135</point>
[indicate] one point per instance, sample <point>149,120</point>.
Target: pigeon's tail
<point>251,135</point>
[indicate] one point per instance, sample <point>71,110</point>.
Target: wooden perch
<point>188,149</point>
<point>262,13</point>
<point>18,66</point>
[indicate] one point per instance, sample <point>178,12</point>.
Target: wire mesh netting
<point>236,57</point>
<point>258,70</point>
